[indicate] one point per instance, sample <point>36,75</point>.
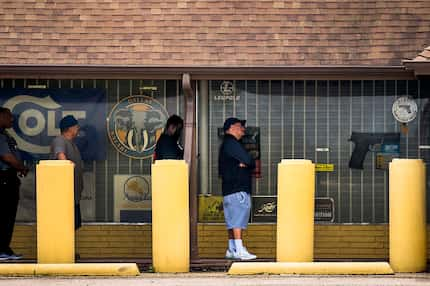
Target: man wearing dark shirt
<point>235,168</point>
<point>11,165</point>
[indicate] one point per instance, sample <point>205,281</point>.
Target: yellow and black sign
<point>150,88</point>
<point>324,167</point>
<point>211,209</point>
<point>383,160</point>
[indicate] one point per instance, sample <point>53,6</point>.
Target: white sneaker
<point>4,256</point>
<point>229,254</point>
<point>15,256</point>
<point>244,255</point>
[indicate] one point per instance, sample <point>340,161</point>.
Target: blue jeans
<point>237,207</point>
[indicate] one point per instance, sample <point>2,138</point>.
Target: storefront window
<point>314,120</point>
<point>286,120</point>
<point>120,121</point>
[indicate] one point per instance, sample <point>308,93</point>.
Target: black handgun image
<point>362,143</point>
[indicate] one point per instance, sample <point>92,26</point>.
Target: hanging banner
<point>37,114</point>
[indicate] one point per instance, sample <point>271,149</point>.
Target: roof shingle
<point>424,56</point>
<point>213,32</point>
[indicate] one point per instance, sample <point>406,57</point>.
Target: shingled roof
<point>424,56</point>
<point>420,64</point>
<point>212,32</point>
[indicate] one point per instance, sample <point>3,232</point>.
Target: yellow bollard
<point>55,212</point>
<point>408,241</point>
<point>295,226</point>
<point>170,216</point>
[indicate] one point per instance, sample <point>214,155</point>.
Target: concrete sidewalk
<point>216,279</point>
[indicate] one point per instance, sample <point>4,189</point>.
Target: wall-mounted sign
<point>132,198</point>
<point>324,209</point>
<point>211,208</point>
<point>405,109</point>
<point>150,88</point>
<point>264,209</point>
<point>322,149</point>
<point>227,92</point>
<point>135,124</point>
<point>324,167</point>
<point>226,88</point>
<point>386,154</point>
<point>38,112</point>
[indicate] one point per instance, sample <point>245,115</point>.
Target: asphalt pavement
<point>221,279</point>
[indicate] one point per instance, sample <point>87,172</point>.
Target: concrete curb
<point>75,269</point>
<point>310,268</point>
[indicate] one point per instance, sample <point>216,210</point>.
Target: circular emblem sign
<point>136,189</point>
<point>135,124</point>
<point>405,109</point>
<point>226,88</point>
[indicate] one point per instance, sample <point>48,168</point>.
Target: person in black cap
<point>63,148</point>
<point>11,165</point>
<point>168,145</point>
<point>235,168</point>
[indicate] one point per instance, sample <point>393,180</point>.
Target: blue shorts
<point>236,210</point>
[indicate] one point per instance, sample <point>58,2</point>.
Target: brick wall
<point>110,241</point>
<point>94,241</point>
<point>331,241</point>
<point>24,240</point>
<point>134,241</point>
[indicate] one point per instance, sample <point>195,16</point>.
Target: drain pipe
<point>190,158</point>
<point>203,136</point>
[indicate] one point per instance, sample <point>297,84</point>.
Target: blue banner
<point>37,113</point>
